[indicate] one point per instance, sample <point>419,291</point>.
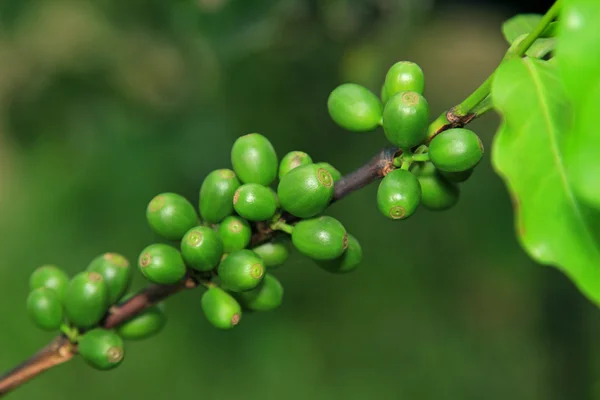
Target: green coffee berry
<point>405,119</point>
<point>86,299</point>
<point>144,325</point>
<point>255,202</point>
<point>101,348</point>
<point>51,277</point>
<point>354,107</point>
<point>292,160</point>
<point>45,309</point>
<point>235,233</point>
<point>348,261</point>
<point>162,264</point>
<point>306,191</point>
<point>323,238</point>
<point>201,248</point>
<point>457,177</point>
<point>216,195</point>
<point>254,159</point>
<point>220,308</point>
<point>437,193</point>
<point>171,215</point>
<point>265,297</point>
<point>115,271</point>
<point>335,174</point>
<point>404,76</point>
<point>383,95</point>
<point>455,150</point>
<point>273,253</point>
<point>399,194</point>
<point>241,270</point>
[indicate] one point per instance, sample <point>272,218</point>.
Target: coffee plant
<point>248,217</point>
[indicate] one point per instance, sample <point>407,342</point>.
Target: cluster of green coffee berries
<point>213,243</point>
<point>425,173</point>
<point>76,307</point>
<point>213,246</point>
<point>235,204</point>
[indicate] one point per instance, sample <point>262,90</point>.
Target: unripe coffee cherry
<point>45,309</point>
<point>457,177</point>
<point>235,233</point>
<point>321,238</point>
<point>115,271</point>
<point>306,191</point>
<point>51,277</point>
<point>254,159</point>
<point>86,299</point>
<point>241,270</point>
<point>101,348</point>
<point>404,76</point>
<point>405,119</point>
<point>144,325</point>
<point>265,297</point>
<point>354,107</point>
<point>399,194</point>
<point>292,160</point>
<point>201,248</point>
<point>255,202</point>
<point>335,174</point>
<point>162,264</point>
<point>220,308</point>
<point>348,261</point>
<point>437,193</point>
<point>170,215</point>
<point>455,150</point>
<point>273,253</point>
<point>383,95</point>
<point>216,195</point>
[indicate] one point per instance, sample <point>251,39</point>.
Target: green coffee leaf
<point>577,49</point>
<point>579,63</point>
<point>519,25</point>
<point>553,226</point>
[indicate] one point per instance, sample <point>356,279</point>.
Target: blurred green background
<point>105,103</point>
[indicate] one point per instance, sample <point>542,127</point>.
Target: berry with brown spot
<point>242,270</point>
<point>399,194</point>
<point>220,308</point>
<point>101,348</point>
<point>405,119</point>
<point>235,233</point>
<point>202,248</point>
<point>162,264</point>
<point>306,191</point>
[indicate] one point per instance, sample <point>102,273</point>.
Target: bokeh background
<point>105,103</point>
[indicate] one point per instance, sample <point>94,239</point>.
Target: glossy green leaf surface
<point>553,226</point>
<point>577,48</point>
<point>578,60</point>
